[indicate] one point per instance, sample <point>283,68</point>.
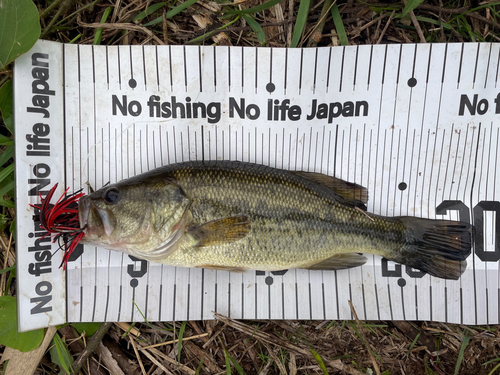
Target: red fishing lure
<point>61,220</point>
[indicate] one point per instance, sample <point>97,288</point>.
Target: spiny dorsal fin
<point>352,193</point>
<point>220,231</point>
<point>340,261</point>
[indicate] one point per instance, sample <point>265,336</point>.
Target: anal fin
<point>222,268</point>
<point>339,262</point>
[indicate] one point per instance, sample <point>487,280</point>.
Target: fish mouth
<point>94,220</point>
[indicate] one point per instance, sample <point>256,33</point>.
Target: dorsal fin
<point>352,194</point>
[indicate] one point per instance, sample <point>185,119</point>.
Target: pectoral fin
<point>339,262</point>
<point>221,231</point>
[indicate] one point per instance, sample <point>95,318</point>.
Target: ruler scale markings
<point>315,70</point>
<point>397,169</point>
<point>487,67</point>
<point>441,165</point>
<point>468,280</point>
<point>416,89</point>
<point>342,69</point>
<point>475,68</point>
<point>378,128</point>
<point>200,74</point>
<point>271,65</point>
<point>257,69</point>
<point>144,67</point>
<point>369,69</point>
<point>355,69</point>
<point>403,303</point>
<point>300,71</point>
<point>242,69</point>
<point>389,201</point>
<point>496,76</point>
<point>132,310</point>
<point>131,62</point>
<point>479,278</point>
<point>460,65</point>
<point>323,137</point>
<point>157,68</point>
<point>184,64</point>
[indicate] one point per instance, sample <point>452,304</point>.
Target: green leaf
<point>8,188</point>
<point>320,361</point>
<point>5,270</point>
<point>172,12</point>
<point>261,37</point>
<point>22,341</point>
<point>6,105</point>
<point>460,358</point>
<point>181,333</point>
<point>8,204</point>
<point>339,25</point>
<point>5,172</point>
<point>6,155</point>
<point>89,328</point>
<point>60,355</point>
<point>98,33</point>
<point>154,22</point>
<point>5,141</point>
<point>258,8</point>
<point>148,11</point>
<point>236,365</point>
<point>300,23</point>
<point>180,8</point>
<point>410,5</point>
<point>19,29</point>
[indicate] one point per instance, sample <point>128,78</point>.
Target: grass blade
<point>492,372</point>
<point>261,37</point>
<point>98,32</point>
<point>180,8</point>
<point>6,171</point>
<point>339,25</point>
<point>5,140</point>
<point>6,155</point>
<point>300,23</point>
<point>5,270</point>
<point>59,354</point>
<point>258,8</point>
<point>410,5</point>
<point>148,11</point>
<point>179,347</point>
<point>465,342</point>
<point>320,361</point>
<point>236,365</point>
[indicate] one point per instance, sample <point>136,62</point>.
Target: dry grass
<point>272,347</point>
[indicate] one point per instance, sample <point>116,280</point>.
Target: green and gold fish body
<point>238,216</point>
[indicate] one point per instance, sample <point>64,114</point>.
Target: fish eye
<point>112,195</point>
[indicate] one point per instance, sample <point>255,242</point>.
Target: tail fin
<point>438,247</point>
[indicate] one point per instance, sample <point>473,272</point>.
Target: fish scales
<point>238,216</point>
<point>294,223</point>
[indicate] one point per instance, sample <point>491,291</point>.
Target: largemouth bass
<point>237,216</point>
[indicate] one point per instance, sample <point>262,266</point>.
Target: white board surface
<point>418,125</point>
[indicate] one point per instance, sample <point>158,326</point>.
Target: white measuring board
<point>418,125</point>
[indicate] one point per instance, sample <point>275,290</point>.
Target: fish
<point>238,216</point>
